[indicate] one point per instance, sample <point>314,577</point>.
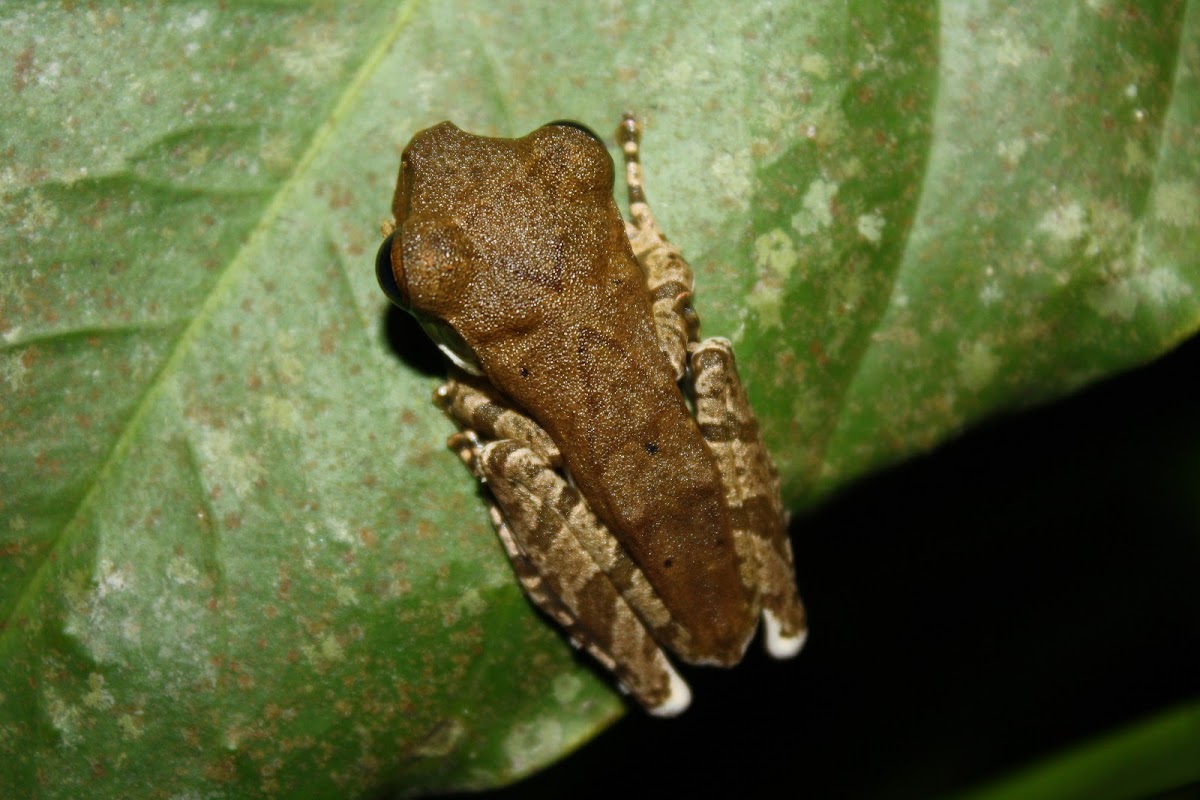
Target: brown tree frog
<point>627,479</point>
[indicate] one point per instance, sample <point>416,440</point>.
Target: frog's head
<point>491,233</point>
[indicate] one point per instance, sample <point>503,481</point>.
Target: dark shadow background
<point>1027,586</point>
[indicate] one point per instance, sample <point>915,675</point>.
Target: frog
<point>623,466</point>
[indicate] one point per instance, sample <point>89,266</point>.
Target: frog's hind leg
<point>751,492</point>
<point>539,518</point>
<point>668,275</point>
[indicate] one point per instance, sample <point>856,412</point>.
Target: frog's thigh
<point>751,492</point>
<point>563,578</point>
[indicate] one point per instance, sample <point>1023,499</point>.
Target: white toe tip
<point>677,701</point>
<point>778,645</point>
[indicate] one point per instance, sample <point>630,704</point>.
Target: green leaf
<point>234,555</point>
<point>1140,760</point>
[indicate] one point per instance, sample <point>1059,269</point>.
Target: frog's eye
<point>567,123</point>
<point>386,274</point>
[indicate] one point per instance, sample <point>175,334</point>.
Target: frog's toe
<point>780,644</point>
<point>678,698</point>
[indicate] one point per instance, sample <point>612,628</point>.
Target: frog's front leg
<point>563,557</point>
<point>668,275</point>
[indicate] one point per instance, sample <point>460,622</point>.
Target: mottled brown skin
<point>518,246</point>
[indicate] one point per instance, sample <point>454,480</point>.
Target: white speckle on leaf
<point>196,20</point>
<point>991,293</point>
<point>532,743</point>
<point>870,226</point>
<point>1063,222</point>
<point>816,212</point>
<point>112,579</point>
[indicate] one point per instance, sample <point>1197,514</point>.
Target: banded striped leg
<point>541,520</point>
<point>477,409</point>
<point>751,492</point>
<point>488,419</point>
<point>668,276</point>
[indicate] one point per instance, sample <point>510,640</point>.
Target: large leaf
<point>236,559</point>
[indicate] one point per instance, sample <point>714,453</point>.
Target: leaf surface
<point>234,556</point>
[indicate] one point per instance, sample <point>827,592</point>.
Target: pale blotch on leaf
<point>816,65</point>
<point>12,367</point>
<point>239,471</point>
<point>816,212</point>
<point>977,367</point>
<point>97,697</point>
<point>181,571</point>
<point>1136,161</point>
<point>774,253</point>
<point>732,172</point>
<point>131,726</point>
<point>36,218</point>
<point>774,259</point>
<point>471,603</point>
<point>1011,151</point>
<point>1064,222</point>
<point>532,743</point>
<point>317,54</point>
<point>1121,298</point>
<point>870,226</point>
<point>566,688</point>
<point>112,579</point>
<point>346,596</point>
<point>1011,49</point>
<point>64,717</point>
<point>1177,203</point>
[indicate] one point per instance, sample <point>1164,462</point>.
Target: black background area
<point>1027,586</point>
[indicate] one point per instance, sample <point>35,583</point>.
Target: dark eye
<point>386,275</point>
<point>567,123</point>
